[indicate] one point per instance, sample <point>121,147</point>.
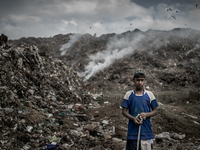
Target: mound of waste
<point>170,58</point>
<point>42,103</point>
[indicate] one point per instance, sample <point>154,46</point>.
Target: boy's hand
<point>137,121</point>
<point>144,116</point>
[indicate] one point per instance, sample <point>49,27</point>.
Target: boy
<point>143,103</point>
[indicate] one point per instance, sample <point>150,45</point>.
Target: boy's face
<point>139,83</point>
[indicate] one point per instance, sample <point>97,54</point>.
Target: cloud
<point>41,18</point>
<point>21,19</point>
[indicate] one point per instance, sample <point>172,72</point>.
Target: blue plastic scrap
<point>51,147</point>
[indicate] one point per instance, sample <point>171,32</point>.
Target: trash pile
<point>171,140</point>
<point>170,58</point>
<point>43,104</point>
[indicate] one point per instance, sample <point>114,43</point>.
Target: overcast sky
<point>45,18</point>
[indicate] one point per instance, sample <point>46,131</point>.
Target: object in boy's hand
<point>139,117</point>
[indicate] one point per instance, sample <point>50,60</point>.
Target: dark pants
<point>132,145</point>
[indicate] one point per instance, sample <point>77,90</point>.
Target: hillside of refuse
<point>64,91</point>
<point>170,58</point>
<point>40,98</point>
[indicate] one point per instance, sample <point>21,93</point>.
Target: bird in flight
<point>196,5</point>
<point>174,17</point>
<point>169,9</point>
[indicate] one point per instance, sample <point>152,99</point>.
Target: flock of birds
<point>168,9</point>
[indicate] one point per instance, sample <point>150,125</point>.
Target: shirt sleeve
<point>125,99</point>
<point>124,103</point>
<point>153,101</point>
<point>154,104</point>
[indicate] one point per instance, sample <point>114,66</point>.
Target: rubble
<point>42,103</point>
<point>171,140</point>
<point>169,136</point>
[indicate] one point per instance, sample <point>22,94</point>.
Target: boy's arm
<point>154,112</point>
<point>126,114</point>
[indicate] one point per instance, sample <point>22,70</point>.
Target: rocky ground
<point>46,100</point>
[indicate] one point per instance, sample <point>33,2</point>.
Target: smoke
<point>197,46</point>
<point>117,49</point>
<point>73,39</point>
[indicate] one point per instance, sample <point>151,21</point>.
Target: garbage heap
<point>42,103</point>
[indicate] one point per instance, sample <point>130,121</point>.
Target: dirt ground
<point>177,113</point>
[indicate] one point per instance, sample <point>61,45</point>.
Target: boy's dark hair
<point>139,74</point>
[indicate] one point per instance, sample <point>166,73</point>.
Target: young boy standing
<point>142,103</point>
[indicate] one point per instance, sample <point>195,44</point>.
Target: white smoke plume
<point>73,39</point>
<point>116,49</point>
